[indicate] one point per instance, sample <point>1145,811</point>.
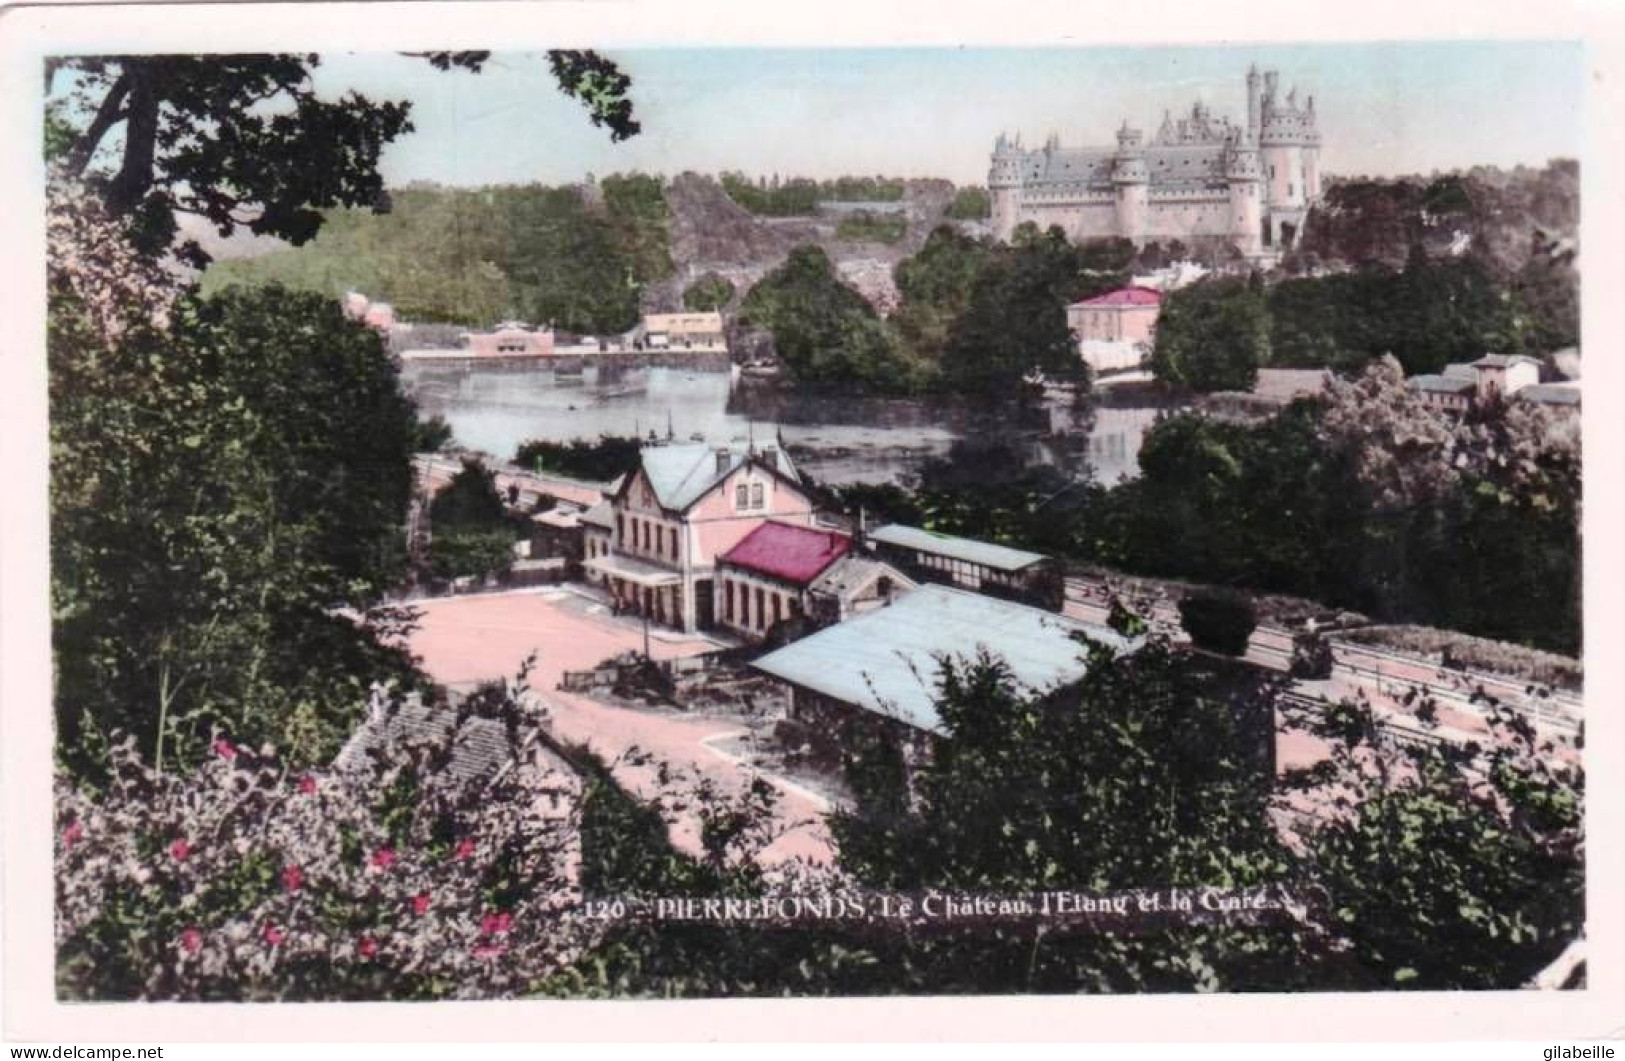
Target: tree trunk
<point>140,138</point>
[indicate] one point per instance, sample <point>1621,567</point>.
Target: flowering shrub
<point>92,260</point>
<point>386,878</point>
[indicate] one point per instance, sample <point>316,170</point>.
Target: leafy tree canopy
<point>824,330</point>
<point>1212,336</point>
<point>246,140</point>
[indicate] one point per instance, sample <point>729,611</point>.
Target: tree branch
<point>84,149</point>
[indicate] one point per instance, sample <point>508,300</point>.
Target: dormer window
<point>742,496</point>
<point>756,500</point>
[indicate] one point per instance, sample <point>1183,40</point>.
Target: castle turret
<point>1243,176</point>
<point>1004,186</point>
<point>1255,104</point>
<point>1130,177</point>
<point>1289,151</point>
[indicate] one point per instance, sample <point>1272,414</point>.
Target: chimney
<point>724,461</point>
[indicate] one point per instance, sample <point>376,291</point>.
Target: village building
<point>805,576</point>
<point>682,331</point>
<point>481,750</point>
<point>1561,398</point>
<point>981,567</point>
<point>1462,385</point>
<point>1502,375</point>
<point>876,674</point>
<point>686,505</point>
<point>1451,393</point>
<point>597,536</point>
<point>511,339</point>
<point>1114,331</point>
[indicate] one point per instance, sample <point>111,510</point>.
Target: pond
<point>838,440</point>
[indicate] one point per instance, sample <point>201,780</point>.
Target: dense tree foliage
<point>1446,867</point>
<point>1364,221</point>
<point>1429,314</point>
<point>472,532</point>
<point>1014,321</point>
<point>480,256</point>
<point>246,140</point>
<point>969,204</point>
<point>823,330</point>
<point>1371,500</point>
<point>1212,336</point>
<point>1218,622</point>
<point>218,485</point>
<point>709,292</point>
<point>596,460</point>
<point>934,286</point>
<point>800,196</point>
<point>1374,502</point>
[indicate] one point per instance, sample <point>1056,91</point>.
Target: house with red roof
<point>787,572</point>
<point>1115,330</point>
<point>686,505</point>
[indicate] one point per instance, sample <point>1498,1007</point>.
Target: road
<point>484,637</point>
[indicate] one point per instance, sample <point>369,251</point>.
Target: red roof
<point>1125,296</point>
<point>788,552</point>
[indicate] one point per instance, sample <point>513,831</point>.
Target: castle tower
<point>1289,152</point>
<point>1243,178</point>
<point>1131,180</point>
<point>1255,105</point>
<point>1004,187</point>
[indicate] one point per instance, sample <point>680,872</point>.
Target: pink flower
<point>496,924</point>
<point>465,847</point>
<point>191,940</point>
<point>271,934</point>
<point>489,950</point>
<point>307,785</point>
<point>420,904</point>
<point>180,849</point>
<point>366,946</point>
<point>225,749</point>
<point>383,858</point>
<point>73,833</point>
<point>292,878</point>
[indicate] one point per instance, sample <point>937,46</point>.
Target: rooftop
<point>683,473</point>
<point>1443,384</point>
<point>1504,361</point>
<point>683,322</point>
<point>1125,296</point>
<point>600,515</point>
<point>480,749</point>
<point>787,551</point>
<point>851,573</point>
<point>887,661</point>
<point>1551,393</point>
<point>998,557</point>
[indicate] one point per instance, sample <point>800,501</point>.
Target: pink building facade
<point>1126,315</point>
<point>511,339</point>
<point>683,508</point>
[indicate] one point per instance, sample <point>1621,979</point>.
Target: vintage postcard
<point>735,517</point>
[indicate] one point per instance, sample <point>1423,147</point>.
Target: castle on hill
<point>1200,177</point>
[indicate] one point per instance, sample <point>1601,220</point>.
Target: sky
<point>1385,108</point>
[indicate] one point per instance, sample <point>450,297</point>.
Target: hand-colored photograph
<point>749,522</point>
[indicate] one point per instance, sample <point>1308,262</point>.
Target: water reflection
<point>494,408</point>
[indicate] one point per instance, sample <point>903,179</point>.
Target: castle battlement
<point>1200,175</point>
